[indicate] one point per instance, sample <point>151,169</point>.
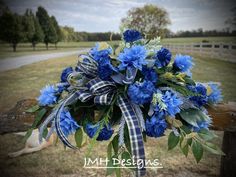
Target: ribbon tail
<point>60,133</point>
<point>135,133</point>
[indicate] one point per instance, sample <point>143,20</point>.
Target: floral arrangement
<point>126,94</point>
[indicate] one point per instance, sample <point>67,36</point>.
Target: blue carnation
<point>134,56</point>
<point>156,126</point>
<point>162,57</point>
<point>215,95</point>
<point>149,74</point>
<point>67,123</point>
<point>141,93</point>
<point>201,98</point>
<point>100,54</point>
<point>48,96</point>
<point>183,63</point>
<point>204,124</point>
<point>169,104</point>
<point>105,69</point>
<point>104,134</point>
<point>132,35</point>
<point>65,73</point>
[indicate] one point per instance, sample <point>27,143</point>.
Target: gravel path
<point>16,62</point>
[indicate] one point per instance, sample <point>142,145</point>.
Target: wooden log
<point>228,162</point>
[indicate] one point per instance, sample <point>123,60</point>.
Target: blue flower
<point>141,93</point>
<point>104,134</point>
<point>215,96</point>
<point>167,103</point>
<point>132,35</point>
<point>134,56</point>
<point>67,123</point>
<point>200,99</point>
<point>100,52</point>
<point>48,96</point>
<point>183,63</point>
<point>149,74</point>
<point>201,125</point>
<point>156,126</point>
<point>65,73</point>
<point>105,69</point>
<point>162,57</point>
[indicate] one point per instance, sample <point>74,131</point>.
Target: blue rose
<point>162,57</point>
<point>65,73</point>
<point>67,123</point>
<point>141,93</point>
<point>131,35</point>
<point>104,134</point>
<point>133,57</point>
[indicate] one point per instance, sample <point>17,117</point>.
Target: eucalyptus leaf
<point>33,109</point>
<point>115,144</point>
<point>206,134</point>
<point>213,148</point>
<point>185,150</point>
<point>79,137</point>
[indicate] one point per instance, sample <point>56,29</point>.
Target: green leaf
<point>45,132</point>
<point>172,140</point>
<point>206,134</point>
<point>115,144</point>
<point>128,160</point>
<point>27,135</point>
<point>38,117</point>
<point>118,172</point>
<point>109,150</point>
<point>197,150</point>
<point>110,164</point>
<point>33,109</point>
<point>127,140</point>
<point>185,150</point>
<point>144,137</point>
<point>213,148</point>
<point>192,116</point>
<point>79,137</point>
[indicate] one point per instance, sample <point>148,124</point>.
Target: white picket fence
<point>223,51</point>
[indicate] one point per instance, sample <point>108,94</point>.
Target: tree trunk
<point>14,47</point>
<point>34,45</point>
<point>228,162</point>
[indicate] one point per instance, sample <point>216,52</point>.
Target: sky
<point>105,15</point>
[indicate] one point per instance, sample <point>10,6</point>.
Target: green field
<point>26,49</point>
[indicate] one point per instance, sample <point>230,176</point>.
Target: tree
<point>50,35</point>
<point>232,21</point>
<point>150,20</point>
<point>58,30</point>
<point>11,29</point>
<point>32,28</point>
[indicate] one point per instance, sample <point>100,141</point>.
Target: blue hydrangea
<point>104,134</point>
<point>132,35</point>
<point>134,56</point>
<point>67,123</point>
<point>48,96</point>
<point>183,63</point>
<point>100,54</point>
<point>201,125</point>
<point>141,93</point>
<point>149,74</point>
<point>168,104</point>
<point>162,57</point>
<point>65,73</point>
<point>200,99</point>
<point>215,96</point>
<point>105,69</point>
<point>156,126</point>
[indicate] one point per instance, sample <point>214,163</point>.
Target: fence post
<point>228,162</point>
<point>200,49</point>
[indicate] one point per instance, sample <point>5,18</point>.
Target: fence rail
<point>223,51</point>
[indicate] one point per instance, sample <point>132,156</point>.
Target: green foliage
<point>33,109</point>
<point>79,137</point>
<point>11,28</point>
<point>151,20</point>
<point>58,30</point>
<point>172,141</point>
<point>197,150</point>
